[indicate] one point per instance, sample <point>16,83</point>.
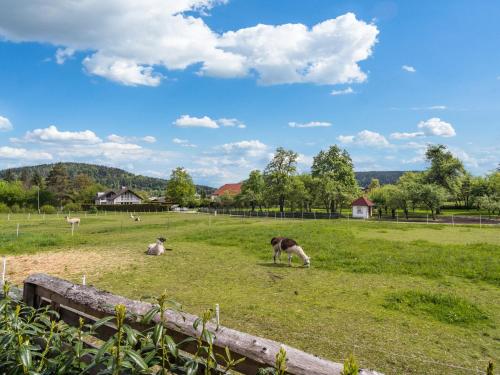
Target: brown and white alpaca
<point>291,247</point>
<point>73,220</point>
<point>156,248</point>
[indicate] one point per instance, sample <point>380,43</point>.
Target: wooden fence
<point>73,301</point>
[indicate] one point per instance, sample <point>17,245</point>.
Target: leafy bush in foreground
<point>37,342</point>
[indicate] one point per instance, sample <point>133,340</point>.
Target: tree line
<point>331,185</point>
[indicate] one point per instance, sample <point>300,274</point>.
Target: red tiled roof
<point>362,201</point>
<point>232,189</point>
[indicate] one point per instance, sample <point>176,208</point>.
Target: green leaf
<point>101,322</point>
<point>146,319</point>
<point>25,357</point>
<point>136,358</point>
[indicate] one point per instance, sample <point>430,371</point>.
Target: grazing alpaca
<point>290,247</point>
<point>135,218</point>
<point>73,221</point>
<point>156,248</point>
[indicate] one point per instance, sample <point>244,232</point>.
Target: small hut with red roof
<point>362,208</point>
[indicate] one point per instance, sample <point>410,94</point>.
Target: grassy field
<point>404,298</point>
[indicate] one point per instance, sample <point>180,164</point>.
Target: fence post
<point>8,216</point>
<point>480,222</point>
<point>17,230</point>
<point>217,316</point>
<point>427,218</point>
<point>72,229</point>
<point>4,270</point>
<point>452,220</point>
<point>397,218</point>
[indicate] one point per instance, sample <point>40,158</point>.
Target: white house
<point>123,196</point>
<point>362,208</point>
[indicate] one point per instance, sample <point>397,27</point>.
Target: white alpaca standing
<point>72,221</point>
<point>290,247</point>
<point>156,248</point>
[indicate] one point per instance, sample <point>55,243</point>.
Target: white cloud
<point>305,160</point>
<point>327,53</point>
<point>435,126</point>
<point>183,142</point>
<point>186,121</point>
<point>21,153</point>
<point>116,138</point>
<point>346,91</point>
<point>62,54</point>
<point>312,124</point>
<point>129,39</point>
<point>126,72</point>
<point>398,135</point>
<point>121,139</point>
<point>231,122</point>
<point>253,148</point>
<point>430,108</point>
<point>52,134</point>
<point>5,124</point>
<point>365,138</point>
<point>409,68</point>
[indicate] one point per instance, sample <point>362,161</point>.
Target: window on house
<point>359,210</point>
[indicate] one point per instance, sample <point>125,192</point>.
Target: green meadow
<point>403,298</point>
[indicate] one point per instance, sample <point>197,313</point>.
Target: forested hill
<point>384,177</point>
<point>107,176</point>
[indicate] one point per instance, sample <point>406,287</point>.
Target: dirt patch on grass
<point>71,264</point>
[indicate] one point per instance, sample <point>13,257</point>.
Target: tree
<point>335,169</point>
<point>82,181</point>
<point>374,184</point>
<point>57,182</point>
<point>297,193</point>
<point>252,190</point>
<point>180,187</point>
<point>9,176</point>
<point>409,185</point>
<point>278,173</point>
<point>25,179</point>
<point>432,196</point>
<point>37,180</point>
<point>445,169</point>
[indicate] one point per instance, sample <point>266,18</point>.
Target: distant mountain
<point>384,177</point>
<point>108,176</point>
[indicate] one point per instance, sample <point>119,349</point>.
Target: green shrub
<point>72,207</point>
<point>48,209</point>
<point>4,208</point>
<point>15,208</point>
<point>92,210</point>
<point>36,342</point>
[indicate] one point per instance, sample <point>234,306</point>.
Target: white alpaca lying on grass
<point>135,218</point>
<point>156,248</point>
<point>73,221</point>
<point>290,247</point>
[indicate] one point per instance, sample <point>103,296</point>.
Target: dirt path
<point>71,264</point>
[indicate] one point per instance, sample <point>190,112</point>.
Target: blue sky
<point>215,86</point>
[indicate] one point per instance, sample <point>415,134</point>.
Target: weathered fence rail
<point>73,301</point>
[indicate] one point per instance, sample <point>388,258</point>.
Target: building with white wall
<point>362,208</point>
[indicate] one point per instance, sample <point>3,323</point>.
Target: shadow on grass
<point>279,265</point>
